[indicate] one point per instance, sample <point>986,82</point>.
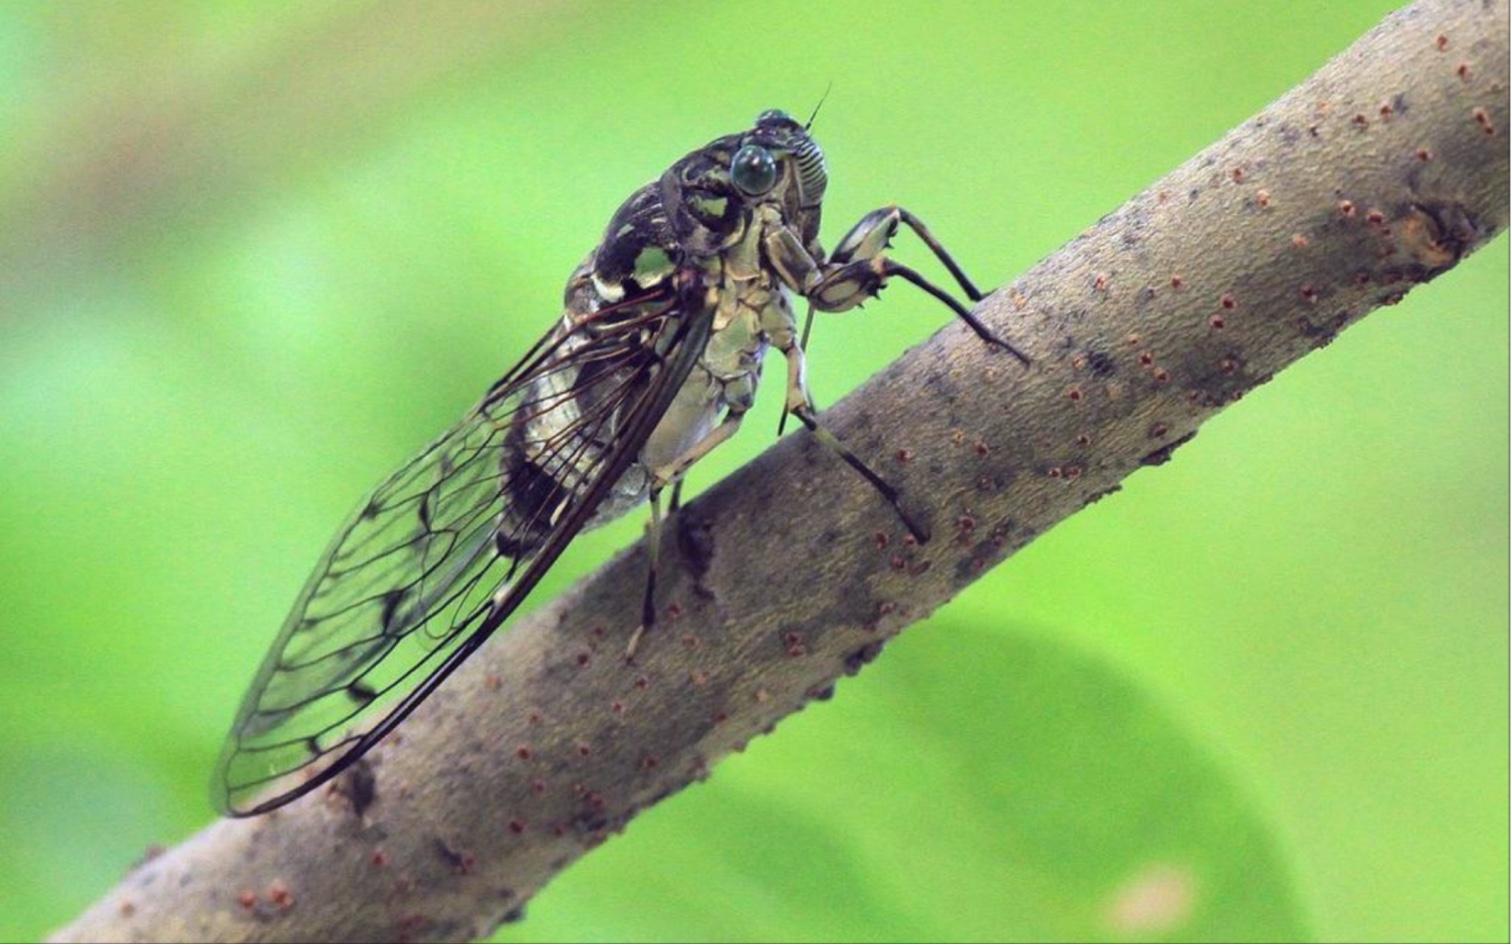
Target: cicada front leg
<point>860,266</point>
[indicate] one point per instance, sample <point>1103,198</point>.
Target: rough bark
<point>1378,173</point>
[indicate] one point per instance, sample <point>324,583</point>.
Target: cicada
<point>655,359</point>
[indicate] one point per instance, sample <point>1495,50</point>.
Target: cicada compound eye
<point>753,170</point>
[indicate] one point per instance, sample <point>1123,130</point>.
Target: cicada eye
<point>773,116</point>
<point>753,170</point>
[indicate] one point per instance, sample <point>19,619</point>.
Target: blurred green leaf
<point>1042,798</point>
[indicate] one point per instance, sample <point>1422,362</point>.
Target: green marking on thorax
<point>652,265</point>
<point>710,206</point>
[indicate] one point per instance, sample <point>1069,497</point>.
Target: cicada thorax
<point>701,205</point>
<point>616,306</point>
<point>639,252</point>
<point>566,420</point>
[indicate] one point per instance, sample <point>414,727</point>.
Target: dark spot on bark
<point>1319,335</point>
<point>1092,500</point>
<point>862,656</point>
<point>1453,230</point>
<point>1162,455</point>
<point>358,784</point>
<point>460,861</point>
<point>1101,363</point>
<point>983,555</point>
<point>695,541</point>
<point>590,823</point>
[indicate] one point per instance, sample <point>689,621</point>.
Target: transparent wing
<point>446,548</point>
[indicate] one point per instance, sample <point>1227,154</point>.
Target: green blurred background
<point>253,254</point>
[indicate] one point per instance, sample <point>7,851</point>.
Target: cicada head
<point>779,154</point>
<point>710,191</point>
<point>781,135</point>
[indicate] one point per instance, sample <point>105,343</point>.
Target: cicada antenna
<point>822,98</point>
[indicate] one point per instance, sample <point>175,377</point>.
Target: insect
<point>654,361</point>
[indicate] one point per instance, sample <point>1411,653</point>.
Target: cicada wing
<point>442,552</point>
<point>394,590</point>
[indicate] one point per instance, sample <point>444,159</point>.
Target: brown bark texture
<point>1378,173</point>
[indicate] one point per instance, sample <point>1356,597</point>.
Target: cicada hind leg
<point>660,479</point>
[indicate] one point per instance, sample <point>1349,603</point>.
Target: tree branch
<point>1378,173</point>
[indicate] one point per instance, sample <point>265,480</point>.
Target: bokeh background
<point>253,254</point>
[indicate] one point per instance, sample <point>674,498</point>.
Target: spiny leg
<point>800,405</point>
<point>914,223</point>
<point>781,425</point>
<point>805,414</point>
<point>653,552</point>
<point>672,474</point>
<point>859,267</point>
<point>889,268</point>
